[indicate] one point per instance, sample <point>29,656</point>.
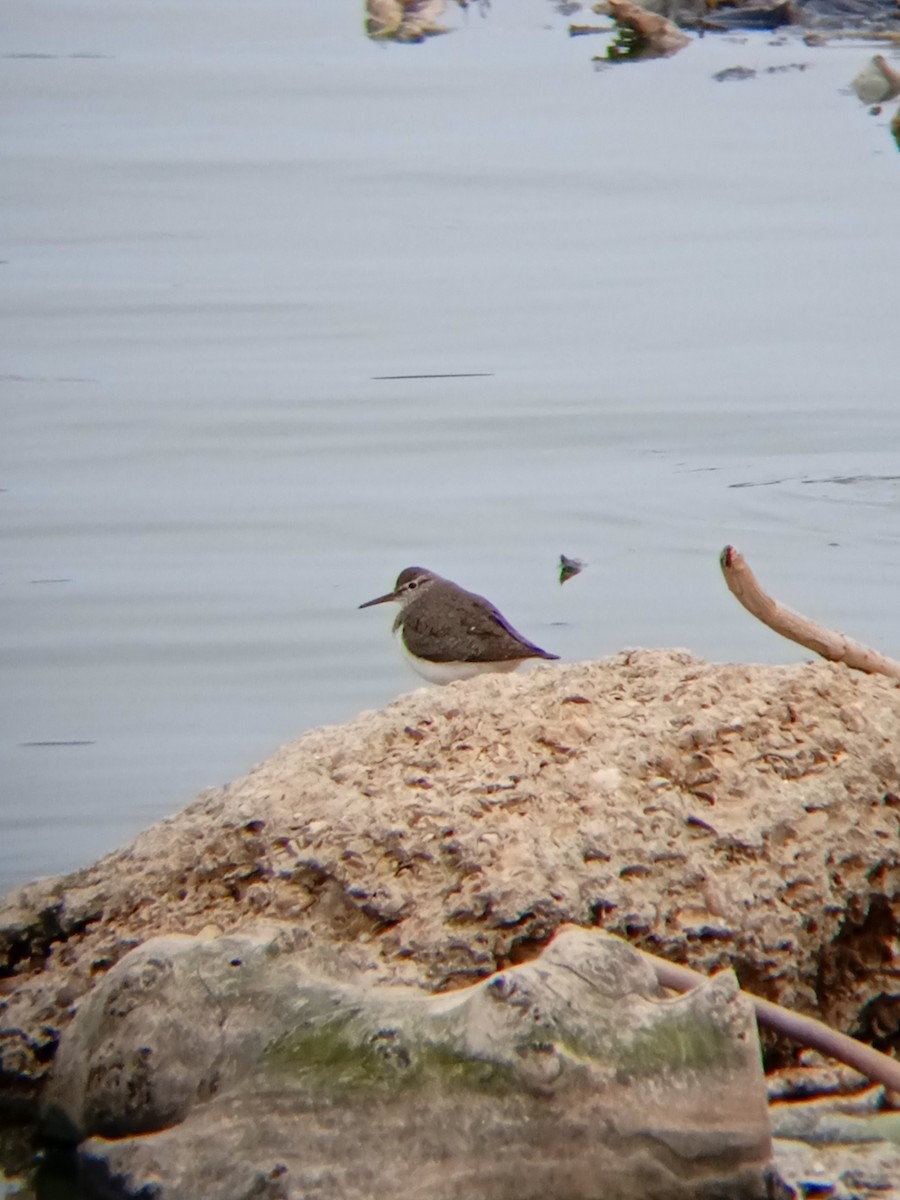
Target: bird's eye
<point>412,584</point>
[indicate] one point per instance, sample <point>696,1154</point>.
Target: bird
<point>447,633</point>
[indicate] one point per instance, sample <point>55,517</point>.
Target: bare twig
<point>805,1030</point>
<point>836,647</point>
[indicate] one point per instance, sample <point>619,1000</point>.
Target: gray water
<point>671,303</point>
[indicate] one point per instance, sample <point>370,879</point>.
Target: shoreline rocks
<point>827,16</point>
<point>717,814</point>
<point>228,1066</point>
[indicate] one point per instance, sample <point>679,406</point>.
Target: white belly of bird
<point>449,672</point>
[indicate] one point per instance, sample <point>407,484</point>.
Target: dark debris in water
<point>746,16</point>
<point>734,73</point>
<point>569,567</point>
<point>841,479</point>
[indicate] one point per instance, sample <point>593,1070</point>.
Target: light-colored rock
<point>543,1080</point>
<point>822,1079</point>
<point>645,34</point>
<point>877,82</point>
<point>403,20</point>
<point>716,814</point>
<point>830,1121</point>
<point>861,1171</point>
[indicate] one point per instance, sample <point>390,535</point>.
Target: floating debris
<point>793,66</point>
<point>751,72</point>
<point>764,16</point>
<point>734,73</point>
<point>569,567</point>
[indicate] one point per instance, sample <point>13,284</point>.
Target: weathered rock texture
<point>404,20</point>
<point>568,1076</point>
<point>858,15</point>
<point>718,815</point>
<point>859,1170</point>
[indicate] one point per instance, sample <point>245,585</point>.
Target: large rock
<point>717,814</point>
<point>229,1067</point>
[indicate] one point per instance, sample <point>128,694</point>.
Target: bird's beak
<point>380,600</point>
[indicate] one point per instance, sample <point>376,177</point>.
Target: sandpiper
<point>447,633</point>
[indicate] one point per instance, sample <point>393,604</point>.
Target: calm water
<point>676,300</point>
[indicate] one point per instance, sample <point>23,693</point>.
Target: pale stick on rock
<point>806,1030</point>
<point>836,647</point>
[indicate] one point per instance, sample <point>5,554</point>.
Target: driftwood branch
<point>836,647</point>
<point>805,1030</point>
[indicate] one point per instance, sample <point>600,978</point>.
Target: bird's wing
<point>473,633</point>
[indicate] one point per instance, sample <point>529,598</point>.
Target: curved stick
<point>836,647</point>
<point>806,1030</point>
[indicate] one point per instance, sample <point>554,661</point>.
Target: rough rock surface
<point>830,15</point>
<point>851,1171</point>
<point>230,1067</point>
<point>716,814</point>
